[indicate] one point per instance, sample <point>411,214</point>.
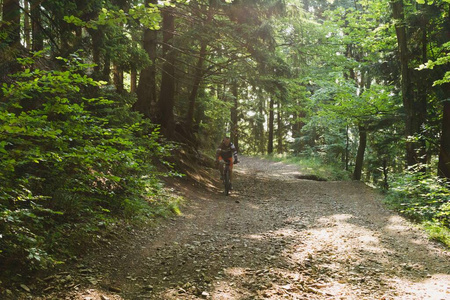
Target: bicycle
<point>226,175</point>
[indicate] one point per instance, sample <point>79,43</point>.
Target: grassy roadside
<point>425,199</point>
<point>313,166</point>
<point>436,230</point>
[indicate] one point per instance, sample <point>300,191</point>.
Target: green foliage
<point>149,16</point>
<point>68,156</point>
<point>443,60</point>
<point>215,114</point>
<point>424,198</point>
<point>438,233</point>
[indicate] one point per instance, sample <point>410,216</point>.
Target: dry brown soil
<point>275,237</point>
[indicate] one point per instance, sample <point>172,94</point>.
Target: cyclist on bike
<point>226,151</point>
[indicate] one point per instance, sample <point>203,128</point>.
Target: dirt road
<point>275,237</point>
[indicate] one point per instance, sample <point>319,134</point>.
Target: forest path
<point>275,237</point>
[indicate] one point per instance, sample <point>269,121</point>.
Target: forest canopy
<point>95,94</point>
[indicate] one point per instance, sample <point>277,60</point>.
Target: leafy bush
<point>438,233</point>
<point>424,198</point>
<point>68,156</point>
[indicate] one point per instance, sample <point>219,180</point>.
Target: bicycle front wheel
<point>226,180</point>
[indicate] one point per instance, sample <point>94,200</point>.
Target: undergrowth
<point>74,161</point>
<point>425,199</point>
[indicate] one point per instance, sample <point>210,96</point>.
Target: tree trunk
<point>360,155</point>
<point>167,94</point>
<point>106,72</point>
<point>36,29</point>
<point>346,156</point>
<point>234,116</point>
<point>133,81</point>
<point>444,151</point>
<point>97,43</point>
<point>198,76</point>
<point>199,72</point>
<point>118,79</point>
<point>422,101</point>
<point>27,26</point>
<point>146,89</point>
<point>261,134</point>
<point>412,122</point>
<point>270,125</point>
<point>279,129</point>
<point>444,154</point>
<point>297,127</point>
<point>11,22</point>
<point>385,175</point>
